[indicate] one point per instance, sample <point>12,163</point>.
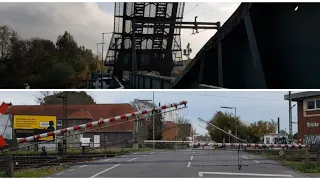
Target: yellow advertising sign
<point>39,124</point>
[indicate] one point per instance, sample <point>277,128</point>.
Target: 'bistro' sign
<point>312,124</point>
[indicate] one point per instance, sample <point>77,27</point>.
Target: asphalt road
<point>182,163</point>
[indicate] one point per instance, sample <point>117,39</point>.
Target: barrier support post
<point>9,167</point>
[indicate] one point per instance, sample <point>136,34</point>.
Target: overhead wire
<point>193,8</point>
<point>240,97</point>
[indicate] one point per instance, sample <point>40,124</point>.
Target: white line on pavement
<point>145,155</point>
<point>132,159</point>
<point>104,171</point>
<point>244,174</point>
<point>71,170</point>
<point>105,160</point>
<point>191,158</point>
<point>151,153</point>
<point>83,166</point>
<point>59,174</point>
<point>245,157</point>
<point>256,161</point>
<point>135,153</point>
<point>189,164</point>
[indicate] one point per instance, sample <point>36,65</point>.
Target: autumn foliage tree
<point>247,132</point>
<point>43,63</point>
<point>73,97</point>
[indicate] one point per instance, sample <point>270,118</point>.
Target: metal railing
<point>145,81</point>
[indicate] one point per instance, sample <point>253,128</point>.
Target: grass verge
<point>36,172</point>
<point>304,167</point>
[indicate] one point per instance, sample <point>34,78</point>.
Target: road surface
<point>182,163</point>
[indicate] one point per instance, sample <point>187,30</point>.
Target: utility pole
<point>97,59</point>
<point>102,61</point>
<point>235,117</point>
<point>278,125</point>
<point>290,118</point>
<point>153,122</point>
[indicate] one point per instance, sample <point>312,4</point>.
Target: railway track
<point>35,161</point>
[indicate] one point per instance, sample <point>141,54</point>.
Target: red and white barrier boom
<point>261,145</point>
<point>97,123</point>
<point>3,107</point>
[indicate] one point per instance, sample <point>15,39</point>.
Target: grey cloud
<point>85,21</point>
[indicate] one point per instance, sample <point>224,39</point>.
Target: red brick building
<point>308,105</point>
<point>118,131</point>
<point>170,131</point>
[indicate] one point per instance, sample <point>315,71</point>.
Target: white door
<point>96,140</point>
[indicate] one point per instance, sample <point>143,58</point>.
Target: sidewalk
<point>312,175</point>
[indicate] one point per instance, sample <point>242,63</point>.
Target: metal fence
<point>52,154</point>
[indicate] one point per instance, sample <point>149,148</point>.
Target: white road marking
<point>191,158</point>
<point>245,157</point>
<point>71,170</point>
<point>83,166</point>
<point>256,161</point>
<point>189,164</point>
<point>104,171</point>
<point>145,155</point>
<point>151,153</point>
<point>193,152</point>
<point>59,174</point>
<point>244,174</point>
<point>132,159</point>
<point>105,160</point>
<point>135,153</point>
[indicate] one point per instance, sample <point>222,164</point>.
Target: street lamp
<point>98,55</point>
<point>102,58</point>
<point>235,116</point>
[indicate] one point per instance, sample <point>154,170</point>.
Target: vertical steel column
<point>219,51</point>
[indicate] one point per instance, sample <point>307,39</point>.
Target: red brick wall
<point>304,117</point>
<point>169,134</point>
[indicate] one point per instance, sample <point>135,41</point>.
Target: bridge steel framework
<point>142,40</point>
<point>262,45</point>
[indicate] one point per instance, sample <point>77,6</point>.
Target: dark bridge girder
<point>263,45</point>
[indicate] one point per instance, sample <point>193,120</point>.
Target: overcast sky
<point>251,106</point>
<point>86,21</point>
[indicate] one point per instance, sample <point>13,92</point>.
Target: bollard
<point>9,167</point>
<point>307,155</point>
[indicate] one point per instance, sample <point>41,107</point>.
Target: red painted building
<point>308,105</point>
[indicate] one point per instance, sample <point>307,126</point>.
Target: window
<point>317,104</point>
<point>313,104</point>
<point>59,122</point>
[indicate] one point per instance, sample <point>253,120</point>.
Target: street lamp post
<point>138,100</point>
<point>235,116</point>
<point>153,122</point>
